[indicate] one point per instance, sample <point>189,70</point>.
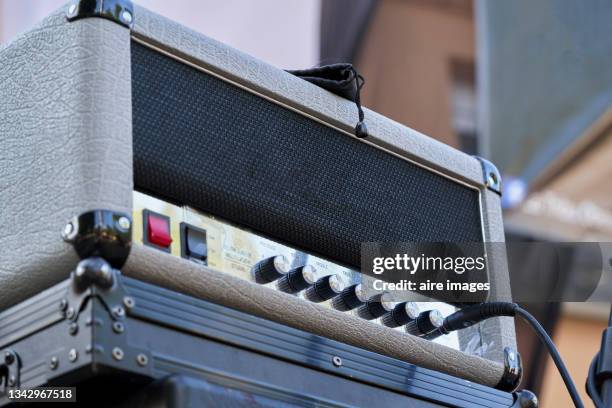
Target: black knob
<point>350,298</point>
<point>325,288</point>
<point>401,314</point>
<point>270,269</point>
<point>377,306</point>
<point>298,279</point>
<point>426,323</point>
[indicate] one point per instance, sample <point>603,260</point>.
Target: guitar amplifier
<point>228,166</point>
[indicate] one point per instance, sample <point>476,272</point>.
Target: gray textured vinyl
<point>65,143</point>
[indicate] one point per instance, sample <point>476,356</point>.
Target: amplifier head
<point>93,109</point>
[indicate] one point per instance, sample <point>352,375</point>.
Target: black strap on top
<point>341,79</point>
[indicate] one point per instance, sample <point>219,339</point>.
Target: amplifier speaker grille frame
<point>321,229</point>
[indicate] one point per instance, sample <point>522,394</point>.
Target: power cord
<point>554,353</point>
<point>591,387</point>
<point>474,314</point>
<point>599,379</point>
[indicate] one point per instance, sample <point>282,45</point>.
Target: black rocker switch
<point>402,314</point>
<point>350,298</point>
<point>377,306</point>
<point>297,279</point>
<point>270,269</point>
<point>193,243</point>
<point>325,288</point>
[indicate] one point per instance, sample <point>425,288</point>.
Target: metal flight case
<point>122,341</point>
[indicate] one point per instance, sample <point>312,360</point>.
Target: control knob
<point>351,298</point>
<point>376,306</point>
<point>401,314</point>
<point>298,279</point>
<point>325,288</point>
<point>270,269</point>
<point>426,324</point>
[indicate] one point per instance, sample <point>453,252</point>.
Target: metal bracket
<point>491,176</point>
<point>119,11</point>
<point>10,367</point>
<point>96,306</point>
<point>101,233</point>
<point>95,278</point>
<point>513,371</point>
<point>103,240</point>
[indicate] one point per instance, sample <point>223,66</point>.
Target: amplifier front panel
<point>234,250</point>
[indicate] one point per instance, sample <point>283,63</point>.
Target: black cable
<point>598,380</point>
<point>605,354</point>
<point>471,315</point>
<point>554,353</point>
<point>591,387</point>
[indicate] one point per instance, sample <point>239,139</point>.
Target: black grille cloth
<point>203,142</point>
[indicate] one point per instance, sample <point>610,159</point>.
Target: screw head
<point>63,305</point>
<point>118,327</point>
<point>73,329</point>
<point>129,302</point>
<point>9,358</point>
<point>53,363</point>
<point>73,355</point>
<point>70,313</point>
<point>337,361</point>
<point>117,354</point>
<point>118,311</point>
<point>492,179</point>
<point>124,223</point>
<point>68,231</point>
<point>142,359</point>
<point>72,10</point>
<point>126,16</point>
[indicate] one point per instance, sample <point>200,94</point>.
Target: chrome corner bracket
<point>119,11</point>
<point>491,176</point>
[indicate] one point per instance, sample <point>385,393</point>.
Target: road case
<point>123,341</point>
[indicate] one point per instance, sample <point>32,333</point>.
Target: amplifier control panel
<point>185,232</point>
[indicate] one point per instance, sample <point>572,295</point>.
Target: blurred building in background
<point>524,83</point>
<point>418,58</point>
<point>545,120</point>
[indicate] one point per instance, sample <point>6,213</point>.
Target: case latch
<point>10,366</point>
